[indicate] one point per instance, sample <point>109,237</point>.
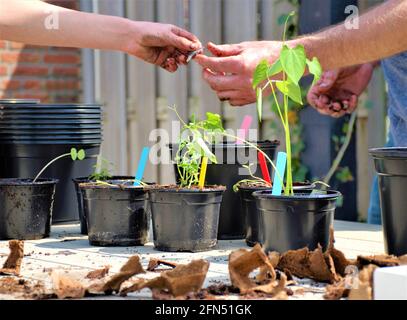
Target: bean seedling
<point>290,67</point>
<point>74,154</point>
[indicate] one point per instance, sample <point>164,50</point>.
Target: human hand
<point>164,45</point>
<point>230,72</point>
<point>337,92</point>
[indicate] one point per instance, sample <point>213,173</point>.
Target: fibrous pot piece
<point>179,281</point>
<point>382,260</point>
<point>153,264</point>
<point>12,265</point>
<point>337,290</point>
<point>21,288</point>
<point>242,262</point>
<point>363,289</point>
<point>99,273</point>
<point>67,287</point>
<point>129,269</point>
<point>339,259</point>
<point>309,264</point>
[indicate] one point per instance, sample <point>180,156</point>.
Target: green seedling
<point>193,146</point>
<point>74,154</point>
<point>102,169</point>
<point>284,76</point>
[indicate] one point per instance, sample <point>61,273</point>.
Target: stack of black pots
<point>32,134</point>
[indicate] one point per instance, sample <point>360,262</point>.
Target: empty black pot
<point>294,222</point>
<point>16,103</point>
<point>228,171</point>
<point>79,197</point>
<point>185,220</point>
<point>254,231</point>
<point>116,216</point>
<point>26,160</point>
<point>391,168</point>
<point>26,208</point>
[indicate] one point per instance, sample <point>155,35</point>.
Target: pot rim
<point>91,185</point>
<point>298,187</point>
<point>16,182</point>
<point>263,144</point>
<point>172,189</point>
<point>389,152</point>
<point>264,194</point>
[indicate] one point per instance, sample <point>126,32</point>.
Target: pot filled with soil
<point>391,168</point>
<point>254,225</point>
<point>185,219</point>
<point>79,196</point>
<point>116,212</point>
<point>296,221</point>
<point>26,208</point>
<point>227,172</point>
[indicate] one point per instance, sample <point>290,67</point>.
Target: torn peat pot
<point>242,262</point>
<point>13,263</point>
<point>116,213</point>
<point>181,280</point>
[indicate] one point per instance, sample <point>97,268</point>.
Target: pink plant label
<point>244,129</point>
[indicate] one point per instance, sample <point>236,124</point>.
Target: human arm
<point>31,22</point>
<point>382,32</point>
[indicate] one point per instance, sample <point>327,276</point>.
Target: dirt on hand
<point>13,263</point>
<point>180,281</point>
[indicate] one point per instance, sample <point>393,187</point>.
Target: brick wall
<point>47,73</point>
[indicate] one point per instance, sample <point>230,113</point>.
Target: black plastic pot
<point>26,208</point>
<point>391,168</point>
<point>79,197</point>
<point>185,220</point>
<point>116,216</point>
<point>254,231</point>
<point>25,132</point>
<point>5,103</point>
<point>78,122</point>
<point>39,127</point>
<point>26,160</point>
<point>294,222</point>
<point>51,112</point>
<point>231,157</point>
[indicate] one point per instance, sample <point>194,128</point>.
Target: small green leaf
<point>314,67</point>
<point>81,154</point>
<point>276,68</point>
<point>213,122</point>
<point>74,154</point>
<point>293,61</point>
<point>293,91</point>
<point>259,95</point>
<point>260,73</point>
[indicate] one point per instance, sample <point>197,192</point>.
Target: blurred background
<point>136,95</point>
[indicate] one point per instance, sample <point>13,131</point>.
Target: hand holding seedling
<point>229,73</point>
<point>337,92</point>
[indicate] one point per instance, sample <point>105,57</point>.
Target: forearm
<point>30,22</point>
<point>382,33</point>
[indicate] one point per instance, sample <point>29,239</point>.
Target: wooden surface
<point>68,250</point>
